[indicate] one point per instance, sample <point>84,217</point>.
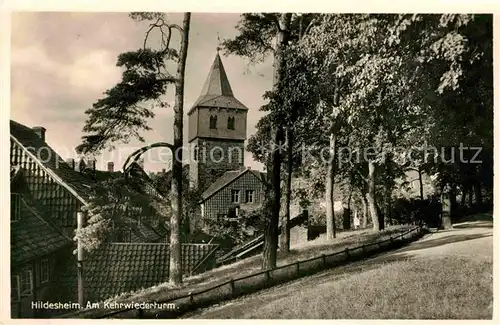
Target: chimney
<point>91,162</point>
<point>40,131</point>
<point>111,166</point>
<point>163,170</point>
<point>80,165</point>
<point>71,162</point>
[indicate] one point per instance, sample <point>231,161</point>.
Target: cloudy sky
<point>63,62</point>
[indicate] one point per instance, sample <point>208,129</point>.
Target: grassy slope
<point>442,288</point>
<point>252,264</point>
<point>439,279</point>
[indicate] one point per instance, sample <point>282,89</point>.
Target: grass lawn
<point>442,288</point>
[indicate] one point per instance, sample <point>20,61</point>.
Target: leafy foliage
<point>120,116</point>
<point>249,223</point>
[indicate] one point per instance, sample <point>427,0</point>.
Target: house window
<point>213,122</point>
<point>232,214</point>
<point>15,207</point>
<point>15,293</point>
<point>249,196</point>
<point>26,281</point>
<point>230,123</point>
<point>235,196</point>
<point>44,270</point>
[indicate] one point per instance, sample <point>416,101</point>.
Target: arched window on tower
<point>230,123</point>
<point>213,122</point>
<point>195,153</point>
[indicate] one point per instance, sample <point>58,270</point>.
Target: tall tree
<point>120,116</point>
<point>255,41</point>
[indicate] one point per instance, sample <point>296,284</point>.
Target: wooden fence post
<point>191,298</point>
<point>268,277</point>
<point>140,313</point>
<point>347,253</point>
<point>298,268</point>
<point>324,260</point>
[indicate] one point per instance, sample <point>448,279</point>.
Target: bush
<point>417,211</point>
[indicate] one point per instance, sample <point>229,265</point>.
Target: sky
<point>62,62</point>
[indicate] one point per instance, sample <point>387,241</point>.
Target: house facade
<point>232,192</point>
<point>36,247</point>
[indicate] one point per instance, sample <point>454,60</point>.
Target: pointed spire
<point>217,83</point>
<point>217,91</point>
<point>218,43</point>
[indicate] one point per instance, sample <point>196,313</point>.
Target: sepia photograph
<point>251,165</point>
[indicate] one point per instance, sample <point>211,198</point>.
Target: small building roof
<point>117,268</point>
<point>227,178</point>
<point>33,235</point>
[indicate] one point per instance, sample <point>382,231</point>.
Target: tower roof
<point>217,91</point>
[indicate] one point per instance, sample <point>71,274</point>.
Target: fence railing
<point>263,279</point>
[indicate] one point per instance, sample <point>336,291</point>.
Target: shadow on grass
<point>442,241</point>
<point>473,225</point>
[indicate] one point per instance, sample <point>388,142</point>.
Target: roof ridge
<point>215,191</point>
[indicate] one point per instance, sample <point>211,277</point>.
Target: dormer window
<point>213,122</point>
<point>15,207</point>
<point>230,123</point>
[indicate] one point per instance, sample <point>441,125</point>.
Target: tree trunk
<point>273,195</point>
<point>347,212</point>
<point>285,230</point>
<point>421,184</point>
<point>470,196</point>
<point>330,181</point>
<point>370,196</point>
<point>364,221</point>
<point>478,194</point>
<point>175,269</point>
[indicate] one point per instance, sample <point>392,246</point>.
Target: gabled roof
<point>33,235</point>
<point>227,178</point>
<point>217,91</point>
<point>117,268</point>
<point>77,183</point>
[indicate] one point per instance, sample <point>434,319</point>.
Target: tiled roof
<point>33,236</point>
<point>226,179</point>
<point>76,182</point>
<point>116,268</point>
<point>217,91</point>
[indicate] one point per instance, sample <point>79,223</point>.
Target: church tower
<point>217,130</point>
